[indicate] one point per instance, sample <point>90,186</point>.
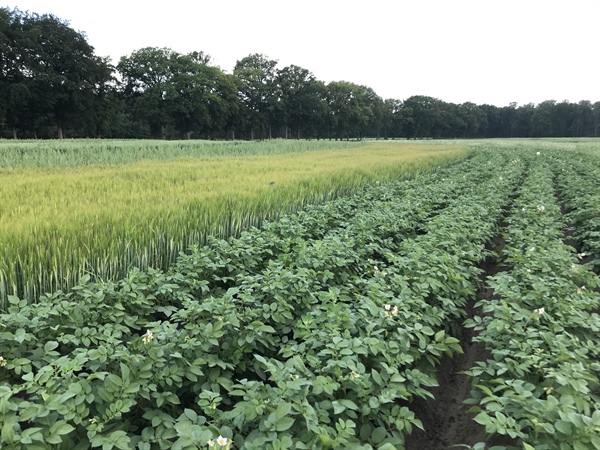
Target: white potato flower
<point>147,337</point>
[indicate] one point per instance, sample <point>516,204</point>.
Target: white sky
<point>484,51</point>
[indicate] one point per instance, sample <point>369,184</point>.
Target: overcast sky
<point>484,51</point>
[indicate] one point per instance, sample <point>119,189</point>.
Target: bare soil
<point>446,419</point>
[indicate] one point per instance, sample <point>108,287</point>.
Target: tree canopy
<point>50,74</point>
<point>52,84</point>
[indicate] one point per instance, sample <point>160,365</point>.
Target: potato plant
<point>577,181</point>
<point>542,384</point>
<point>298,335</point>
<point>320,329</point>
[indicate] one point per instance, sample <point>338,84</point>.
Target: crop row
<point>577,179</point>
<point>86,152</point>
<point>315,332</point>
<point>541,385</point>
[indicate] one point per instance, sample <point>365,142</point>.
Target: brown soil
<point>446,419</point>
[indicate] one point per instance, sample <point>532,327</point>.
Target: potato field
<point>452,301</point>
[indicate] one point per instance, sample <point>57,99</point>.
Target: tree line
<point>52,84</point>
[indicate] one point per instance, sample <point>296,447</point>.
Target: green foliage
<point>255,75</point>
<point>541,385</point>
<point>314,332</point>
<point>51,80</point>
<point>319,329</point>
<point>85,152</point>
<point>350,108</point>
<point>577,180</point>
<point>58,225</point>
<point>49,73</point>
<point>166,87</point>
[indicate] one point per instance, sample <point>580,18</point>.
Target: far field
<point>101,207</point>
<point>451,309</point>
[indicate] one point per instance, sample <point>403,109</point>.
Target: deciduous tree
<point>257,90</point>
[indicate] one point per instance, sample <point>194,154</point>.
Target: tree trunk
<point>14,130</point>
<point>286,131</point>
<point>269,130</point>
<point>251,134</point>
<point>186,135</point>
<point>162,131</point>
<point>59,130</point>
<point>233,135</point>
